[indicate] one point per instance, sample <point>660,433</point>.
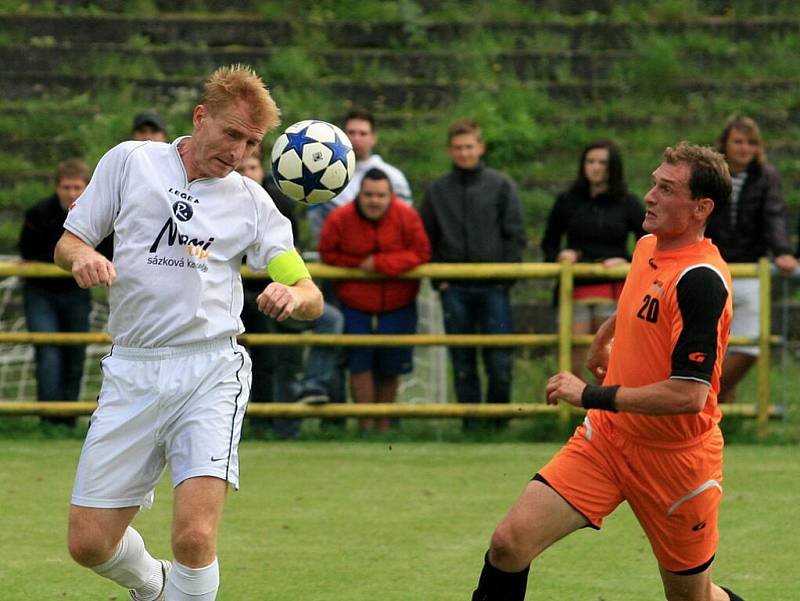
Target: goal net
<point>17,364</point>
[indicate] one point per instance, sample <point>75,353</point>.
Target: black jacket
<point>597,228</point>
<point>41,230</point>
<point>760,222</point>
<point>474,217</point>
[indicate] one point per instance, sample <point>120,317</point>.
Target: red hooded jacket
<point>398,243</point>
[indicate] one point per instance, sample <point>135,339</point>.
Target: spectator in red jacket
<point>377,233</point>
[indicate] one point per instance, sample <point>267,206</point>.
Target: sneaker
<point>166,566</point>
<point>313,397</point>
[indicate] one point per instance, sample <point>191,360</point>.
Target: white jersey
<point>178,245</point>
<point>399,182</point>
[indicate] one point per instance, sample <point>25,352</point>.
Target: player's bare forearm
<point>310,302</point>
<point>302,301</point>
<point>600,349</point>
<point>668,397</point>
<point>605,333</point>
<point>88,267</point>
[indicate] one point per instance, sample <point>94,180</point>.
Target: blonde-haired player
<point>176,382</point>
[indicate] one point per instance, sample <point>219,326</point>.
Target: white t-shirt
<point>399,182</point>
<point>178,245</point>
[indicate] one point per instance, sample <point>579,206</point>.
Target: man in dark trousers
<point>56,304</point>
<point>474,215</point>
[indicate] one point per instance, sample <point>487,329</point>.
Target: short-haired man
<point>749,226</point>
<point>149,125</point>
<point>176,382</point>
<point>56,304</point>
<point>651,435</point>
<point>474,215</point>
<point>359,125</point>
<point>377,233</point>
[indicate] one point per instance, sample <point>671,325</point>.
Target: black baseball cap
<point>151,118</point>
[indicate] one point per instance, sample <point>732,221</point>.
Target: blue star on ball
<point>339,150</point>
<point>297,141</point>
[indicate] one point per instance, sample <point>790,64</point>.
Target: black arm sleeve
<point>701,297</point>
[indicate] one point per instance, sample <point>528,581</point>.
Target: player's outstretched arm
<point>302,300</point>
<point>88,267</point>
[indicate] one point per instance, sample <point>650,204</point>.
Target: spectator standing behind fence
<point>359,125</point>
<point>275,368</point>
<point>751,225</point>
<point>377,233</point>
<point>474,215</point>
<point>596,214</point>
<point>149,125</point>
<point>56,304</point>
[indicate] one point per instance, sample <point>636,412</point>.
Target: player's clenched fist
<point>564,386</point>
<point>277,301</point>
<point>93,269</point>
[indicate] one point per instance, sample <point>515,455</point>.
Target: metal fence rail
<point>563,340</point>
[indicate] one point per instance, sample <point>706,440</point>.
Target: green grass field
<point>334,521</point>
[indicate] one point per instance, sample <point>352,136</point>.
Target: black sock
<point>731,594</point>
<point>496,585</point>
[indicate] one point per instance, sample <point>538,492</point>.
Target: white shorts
<point>181,406</point>
<point>746,304</point>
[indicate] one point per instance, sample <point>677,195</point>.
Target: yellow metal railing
<point>563,340</point>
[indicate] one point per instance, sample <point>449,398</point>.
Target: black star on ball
<point>310,181</point>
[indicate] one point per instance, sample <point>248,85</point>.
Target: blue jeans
<point>58,368</point>
<point>275,368</point>
<point>321,363</point>
<point>486,309</point>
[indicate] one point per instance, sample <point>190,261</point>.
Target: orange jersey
<point>673,321</point>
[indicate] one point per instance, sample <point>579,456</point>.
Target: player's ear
<point>198,115</point>
<point>704,208</point>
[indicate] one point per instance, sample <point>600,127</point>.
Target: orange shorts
<point>674,492</point>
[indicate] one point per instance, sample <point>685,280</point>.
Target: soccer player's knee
<point>193,540</point>
<point>87,550</point>
<point>507,545</point>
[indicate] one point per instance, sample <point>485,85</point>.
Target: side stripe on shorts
<point>703,487</point>
<point>235,411</point>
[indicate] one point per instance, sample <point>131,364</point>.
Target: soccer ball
<point>312,161</point>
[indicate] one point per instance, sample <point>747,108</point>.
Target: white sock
<point>190,584</point>
<point>133,567</point>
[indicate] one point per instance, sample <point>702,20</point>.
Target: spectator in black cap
<point>149,125</point>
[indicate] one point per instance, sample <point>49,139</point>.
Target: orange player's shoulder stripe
<point>707,265</point>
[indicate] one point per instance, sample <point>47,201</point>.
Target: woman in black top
<point>596,215</point>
